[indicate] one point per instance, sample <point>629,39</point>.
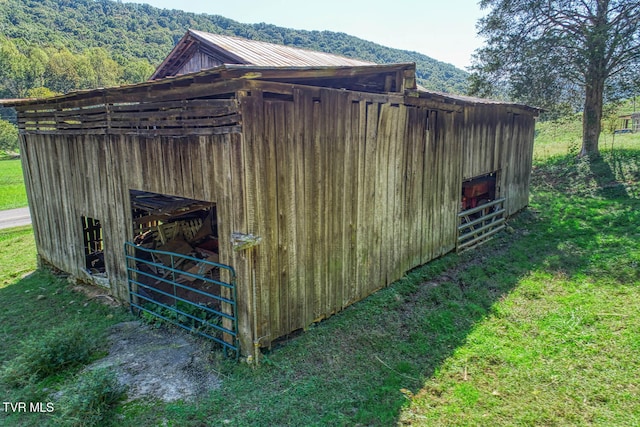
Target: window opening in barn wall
<point>173,266</point>
<point>93,245</point>
<point>482,212</point>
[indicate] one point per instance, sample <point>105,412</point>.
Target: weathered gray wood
<point>348,190</point>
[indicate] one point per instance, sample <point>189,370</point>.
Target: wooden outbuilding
<point>629,123</point>
<point>317,185</point>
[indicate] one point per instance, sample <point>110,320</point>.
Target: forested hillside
<point>71,44</point>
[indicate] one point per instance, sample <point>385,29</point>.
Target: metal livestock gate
<point>195,299</point>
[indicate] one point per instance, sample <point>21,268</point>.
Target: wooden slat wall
<point>175,117</point>
<point>199,61</point>
<point>518,157</point>
<point>348,194</point>
<point>496,138</point>
<point>71,176</point>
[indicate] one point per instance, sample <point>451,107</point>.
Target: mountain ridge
<point>132,31</point>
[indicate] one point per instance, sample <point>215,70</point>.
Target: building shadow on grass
<point>608,176</point>
<point>379,352</point>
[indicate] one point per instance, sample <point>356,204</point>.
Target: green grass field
<point>12,191</point>
<point>539,326</point>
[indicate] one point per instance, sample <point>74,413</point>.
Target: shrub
<point>8,136</point>
<point>89,401</point>
<point>42,356</point>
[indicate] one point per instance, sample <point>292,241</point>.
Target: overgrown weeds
<point>42,356</point>
<point>90,400</point>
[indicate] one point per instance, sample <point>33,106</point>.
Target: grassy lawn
<point>561,348</point>
<point>17,254</point>
<point>34,304</point>
<point>539,326</point>
<point>12,191</point>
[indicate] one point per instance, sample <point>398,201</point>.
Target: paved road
<point>14,218</point>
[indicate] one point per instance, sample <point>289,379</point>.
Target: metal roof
<point>236,50</point>
<point>268,54</point>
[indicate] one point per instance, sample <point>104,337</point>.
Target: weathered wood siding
<point>73,176</point>
<point>199,61</point>
<point>348,193</point>
<point>348,190</point>
<point>498,138</point>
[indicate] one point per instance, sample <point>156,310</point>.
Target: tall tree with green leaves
<point>545,52</point>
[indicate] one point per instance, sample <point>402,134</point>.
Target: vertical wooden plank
<point>418,132</point>
<point>226,216</point>
<point>38,203</point>
<point>454,182</point>
<point>362,249</point>
<point>244,302</point>
<point>255,170</point>
<point>427,187</point>
<point>317,198</point>
<point>390,226</point>
<point>283,146</point>
<point>387,175</point>
<point>336,185</point>
<point>302,131</point>
<point>271,219</point>
<point>248,304</point>
<point>440,161</point>
<point>328,209</point>
<point>373,194</point>
<point>187,187</point>
<point>400,234</point>
<point>312,203</point>
<point>197,176</point>
<point>267,250</point>
<point>295,182</point>
<point>351,185</point>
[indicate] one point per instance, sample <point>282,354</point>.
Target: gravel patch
<point>162,363</point>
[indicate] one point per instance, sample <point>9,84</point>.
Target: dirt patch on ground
<point>162,363</point>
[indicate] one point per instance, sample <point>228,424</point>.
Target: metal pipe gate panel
<point>206,306</point>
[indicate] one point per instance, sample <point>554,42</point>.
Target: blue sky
<point>442,29</point>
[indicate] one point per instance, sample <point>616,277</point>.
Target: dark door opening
<point>93,246</point>
<point>478,191</point>
<point>173,266</point>
<point>176,225</point>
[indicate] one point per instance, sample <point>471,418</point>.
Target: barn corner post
<point>247,305</point>
<point>27,173</point>
<point>247,235</point>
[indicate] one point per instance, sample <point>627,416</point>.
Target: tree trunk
<point>592,118</point>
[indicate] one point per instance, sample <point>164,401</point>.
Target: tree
<point>137,71</point>
<point>106,71</point>
<point>548,51</point>
<point>13,70</point>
